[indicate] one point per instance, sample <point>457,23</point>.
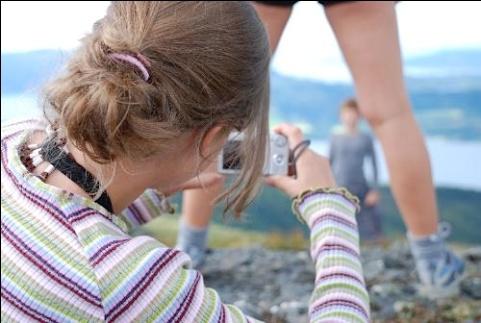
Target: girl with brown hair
<point>146,102</point>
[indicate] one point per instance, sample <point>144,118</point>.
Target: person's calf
<point>409,169</point>
<point>438,268</point>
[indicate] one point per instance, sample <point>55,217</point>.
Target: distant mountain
<point>446,104</point>
<point>448,62</point>
<point>445,107</point>
<point>26,72</point>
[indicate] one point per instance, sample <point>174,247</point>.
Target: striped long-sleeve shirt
<point>64,258</point>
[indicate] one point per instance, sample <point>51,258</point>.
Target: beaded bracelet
<point>298,199</point>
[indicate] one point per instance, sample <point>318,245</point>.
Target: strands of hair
<point>208,66</point>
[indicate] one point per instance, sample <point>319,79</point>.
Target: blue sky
<point>307,49</point>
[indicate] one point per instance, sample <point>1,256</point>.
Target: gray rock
<point>473,254</point>
<point>397,261</point>
<point>373,269</point>
<point>248,308</point>
<point>275,286</point>
<point>472,287</point>
<point>403,306</point>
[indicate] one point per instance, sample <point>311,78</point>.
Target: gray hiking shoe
<point>193,241</point>
<point>440,270</point>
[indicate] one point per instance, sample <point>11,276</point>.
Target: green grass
<point>269,222</point>
<point>165,228</point>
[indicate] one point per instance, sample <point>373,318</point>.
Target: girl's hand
<point>313,170</point>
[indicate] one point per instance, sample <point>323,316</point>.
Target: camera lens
<point>280,141</point>
<point>279,159</point>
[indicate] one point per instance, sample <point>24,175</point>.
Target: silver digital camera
<point>277,155</point>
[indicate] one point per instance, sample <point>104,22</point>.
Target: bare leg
<point>197,205</point>
<point>197,211</point>
<point>368,36</point>
<point>275,19</point>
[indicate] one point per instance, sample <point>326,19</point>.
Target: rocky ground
<point>276,285</point>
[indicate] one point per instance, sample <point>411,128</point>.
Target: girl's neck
<point>127,180</point>
<point>123,187</point>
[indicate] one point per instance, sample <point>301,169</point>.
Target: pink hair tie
<point>138,61</point>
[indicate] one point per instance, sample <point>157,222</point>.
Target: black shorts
<point>291,3</point>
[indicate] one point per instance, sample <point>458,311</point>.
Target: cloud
<point>32,25</point>
<point>307,49</point>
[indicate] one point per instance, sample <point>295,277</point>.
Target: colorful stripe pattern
<point>64,258</point>
<point>340,292</point>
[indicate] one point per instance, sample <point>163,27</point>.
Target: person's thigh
<point>274,15</point>
<point>368,36</point>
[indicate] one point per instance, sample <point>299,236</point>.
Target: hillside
<point>276,285</point>
<point>270,275</point>
<point>445,107</point>
<point>271,212</point>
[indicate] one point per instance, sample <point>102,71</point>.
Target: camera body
<point>277,155</point>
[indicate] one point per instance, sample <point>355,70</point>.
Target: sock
<point>191,237</point>
<point>427,247</point>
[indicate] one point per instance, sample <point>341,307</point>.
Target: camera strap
<point>294,155</point>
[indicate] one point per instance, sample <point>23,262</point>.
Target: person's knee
<point>378,115</point>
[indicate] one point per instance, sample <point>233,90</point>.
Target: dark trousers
<point>369,218</point>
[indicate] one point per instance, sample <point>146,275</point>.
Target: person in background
<point>349,148</point>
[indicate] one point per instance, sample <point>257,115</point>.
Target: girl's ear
<point>214,139</point>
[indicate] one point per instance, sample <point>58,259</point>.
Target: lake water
<point>454,163</point>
